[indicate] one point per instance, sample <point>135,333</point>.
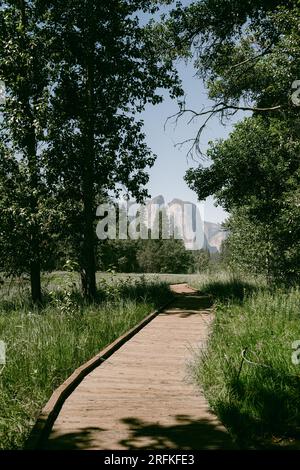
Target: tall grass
<point>258,401</point>
<point>45,346</point>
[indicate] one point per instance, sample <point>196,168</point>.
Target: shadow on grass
<point>186,434</point>
<point>259,413</point>
<point>157,294</point>
<point>234,290</point>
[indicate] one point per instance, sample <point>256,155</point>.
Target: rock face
<point>187,223</point>
<point>215,236</point>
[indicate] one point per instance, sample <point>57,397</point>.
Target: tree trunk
<point>35,263</point>
<point>31,151</point>
<point>35,280</point>
<point>88,276</point>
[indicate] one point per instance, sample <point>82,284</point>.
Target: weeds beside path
<point>258,401</point>
<point>44,347</point>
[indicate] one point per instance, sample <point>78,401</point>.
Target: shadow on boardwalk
<point>186,434</point>
<point>189,305</point>
<point>141,398</point>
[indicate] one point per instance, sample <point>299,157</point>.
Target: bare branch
<point>218,108</point>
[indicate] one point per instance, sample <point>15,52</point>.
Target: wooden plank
<point>51,410</point>
<point>143,396</point>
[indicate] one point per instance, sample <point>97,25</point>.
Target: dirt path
<point>142,397</point>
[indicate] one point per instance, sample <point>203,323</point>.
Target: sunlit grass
<point>259,403</point>
<point>45,346</point>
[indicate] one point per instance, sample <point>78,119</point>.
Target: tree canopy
<point>247,54</point>
<point>77,76</point>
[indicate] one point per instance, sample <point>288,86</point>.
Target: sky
<point>167,175</point>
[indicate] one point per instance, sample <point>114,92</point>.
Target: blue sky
<point>166,177</point>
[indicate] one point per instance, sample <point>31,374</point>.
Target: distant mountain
<point>186,219</point>
<point>215,236</point>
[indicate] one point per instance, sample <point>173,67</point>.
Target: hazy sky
<point>166,177</point>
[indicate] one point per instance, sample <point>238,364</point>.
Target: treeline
<point>163,250</point>
<point>153,256</point>
<point>247,53</point>
<point>77,76</point>
<point>76,73</point>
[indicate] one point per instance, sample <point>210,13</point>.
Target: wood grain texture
<point>142,397</point>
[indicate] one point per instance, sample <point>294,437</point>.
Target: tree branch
<point>218,108</point>
<point>252,59</point>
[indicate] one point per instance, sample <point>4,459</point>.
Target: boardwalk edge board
<point>49,413</point>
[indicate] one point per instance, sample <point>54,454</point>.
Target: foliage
<point>26,207</point>
<point>120,255</point>
<point>161,252</point>
<point>107,69</point>
<point>247,248</point>
<point>77,74</point>
<point>247,53</point>
<point>265,221</point>
<point>164,256</point>
<point>243,50</point>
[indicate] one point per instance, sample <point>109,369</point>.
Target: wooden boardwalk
<point>142,397</point>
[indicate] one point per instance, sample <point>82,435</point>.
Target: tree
<point>23,68</point>
<point>200,261</point>
<point>246,53</point>
<point>107,69</point>
<point>255,174</point>
<point>163,256</point>
<point>76,75</point>
<point>247,248</point>
<point>163,252</point>
<point>120,255</point>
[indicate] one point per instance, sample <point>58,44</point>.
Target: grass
<point>61,279</point>
<point>45,346</point>
<point>258,402</point>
